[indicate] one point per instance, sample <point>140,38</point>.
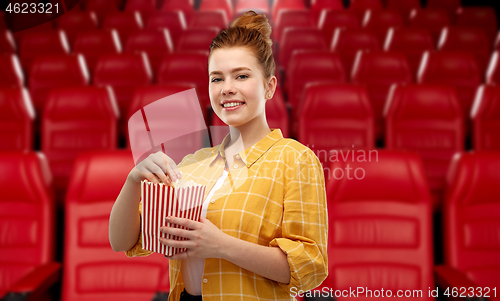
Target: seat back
<point>455,68</point>
<point>75,22</point>
<point>196,39</point>
<point>472,215</point>
<point>493,71</point>
<point>380,21</point>
<point>172,20</point>
<point>378,71</point>
<point>11,74</point>
<point>102,7</point>
<point>291,18</point>
<point>479,16</point>
<point>94,43</point>
<point>450,6</point>
<point>16,120</point>
<point>432,19</point>
<point>27,215</point>
<point>155,43</point>
<point>124,22</point>
<point>92,270</point>
<point>410,41</point>
<point>331,20</point>
<point>258,6</point>
<point>184,8</point>
<point>360,7</point>
<point>486,118</point>
<point>297,38</point>
<point>54,71</point>
<point>34,44</point>
<point>77,120</point>
<point>7,44</point>
<point>426,119</point>
<point>124,72</point>
<point>209,18</point>
<point>405,7</point>
<point>328,5</point>
<point>218,5</point>
<point>141,5</point>
<point>379,215</point>
<point>286,4</point>
<point>471,39</point>
<point>347,42</point>
<point>336,117</point>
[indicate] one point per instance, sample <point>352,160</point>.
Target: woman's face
<point>237,88</point>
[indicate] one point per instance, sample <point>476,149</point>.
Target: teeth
<point>231,104</point>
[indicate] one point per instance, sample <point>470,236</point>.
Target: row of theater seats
<point>425,118</point>
<point>380,228</point>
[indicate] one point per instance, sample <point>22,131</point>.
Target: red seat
<point>379,215</point>
<point>146,8</point>
<point>335,117</point>
<point>217,5</point>
<point>276,115</point>
<point>470,219</point>
<point>291,18</point>
<point>45,27</point>
<point>124,72</point>
<point>317,6</point>
<point>11,74</point>
<point>380,21</point>
<point>54,71</point>
<point>7,44</point>
<point>309,67</point>
<point>102,7</point>
<point>331,20</point>
<point>458,69</point>
<point>187,68</point>
<point>184,7</point>
<point>2,20</point>
<point>378,71</point>
<point>75,22</point>
<point>173,21</point>
<point>91,268</point>
<point>27,215</point>
<point>286,4</point>
<point>258,6</point>
<point>482,17</point>
<point>76,120</point>
<point>450,6</point>
<point>470,39</point>
<point>432,19</point>
<point>426,119</point>
<point>124,22</point>
<point>209,18</point>
<point>156,44</point>
<point>198,39</point>
<point>493,72</point>
<point>404,6</point>
<point>296,38</point>
<point>486,118</point>
<point>359,7</point>
<point>34,44</point>
<point>410,41</point>
<point>94,43</point>
<point>16,120</point>
<point>347,42</point>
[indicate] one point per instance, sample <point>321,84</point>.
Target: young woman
<point>264,231</point>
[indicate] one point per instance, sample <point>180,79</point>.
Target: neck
<point>249,133</point>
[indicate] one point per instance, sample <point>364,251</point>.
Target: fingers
<point>184,222</point>
<point>158,168</point>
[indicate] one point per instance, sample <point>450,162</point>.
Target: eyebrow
<point>232,70</point>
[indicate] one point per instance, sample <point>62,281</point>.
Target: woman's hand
<point>205,240</point>
<point>156,168</point>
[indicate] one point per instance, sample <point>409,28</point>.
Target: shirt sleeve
<point>137,250</point>
<point>305,224</point>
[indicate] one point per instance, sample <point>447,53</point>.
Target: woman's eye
<point>243,76</point>
<point>214,80</point>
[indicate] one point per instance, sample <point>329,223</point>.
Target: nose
<point>228,87</point>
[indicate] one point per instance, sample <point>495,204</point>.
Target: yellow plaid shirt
<point>274,197</point>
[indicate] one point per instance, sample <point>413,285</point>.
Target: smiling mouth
<point>232,104</point>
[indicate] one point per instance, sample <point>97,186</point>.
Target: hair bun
<point>251,20</point>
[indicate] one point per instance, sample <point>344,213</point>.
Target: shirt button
<point>212,201</point>
<point>237,156</point>
<point>205,280</point>
<point>235,166</point>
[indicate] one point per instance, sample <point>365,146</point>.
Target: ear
<point>272,82</point>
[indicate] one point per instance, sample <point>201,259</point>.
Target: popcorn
<point>181,199</point>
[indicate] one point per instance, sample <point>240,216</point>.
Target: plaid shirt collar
<point>253,153</point>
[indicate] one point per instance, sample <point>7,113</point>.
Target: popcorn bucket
<point>160,201</point>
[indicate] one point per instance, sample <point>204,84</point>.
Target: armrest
<point>36,282</point>
<point>447,276</point>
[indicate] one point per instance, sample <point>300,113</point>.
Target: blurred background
<point>412,83</point>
